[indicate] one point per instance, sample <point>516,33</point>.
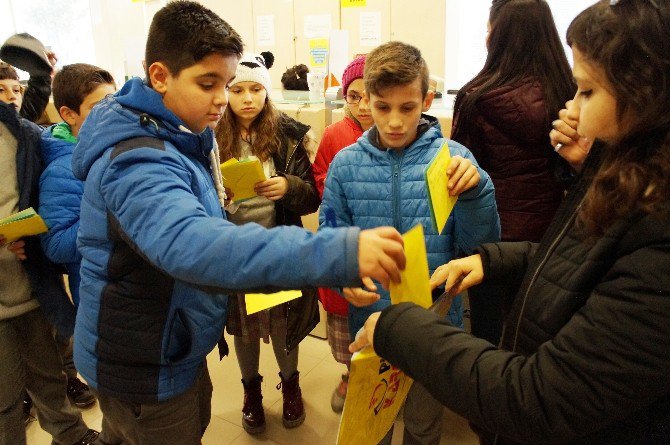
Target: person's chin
<point>394,142</point>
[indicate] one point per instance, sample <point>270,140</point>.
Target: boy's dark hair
<point>8,72</point>
<point>523,44</point>
<point>393,64</point>
<point>74,82</point>
<point>295,78</point>
<point>185,32</point>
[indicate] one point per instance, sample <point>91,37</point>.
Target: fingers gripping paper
<point>241,176</point>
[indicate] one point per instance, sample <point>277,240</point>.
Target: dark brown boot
<point>253,416</point>
<point>294,411</point>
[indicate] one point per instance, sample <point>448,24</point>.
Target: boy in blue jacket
<point>157,251</point>
<point>380,180</point>
<point>76,89</point>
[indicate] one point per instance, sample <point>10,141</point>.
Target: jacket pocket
<point>179,339</point>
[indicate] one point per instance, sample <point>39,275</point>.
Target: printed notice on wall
<point>265,30</point>
<point>353,3</point>
<point>317,25</point>
<point>371,29</point>
<point>318,53</point>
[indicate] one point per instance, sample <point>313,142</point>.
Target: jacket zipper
<point>539,268</point>
<point>396,191</point>
<point>290,156</point>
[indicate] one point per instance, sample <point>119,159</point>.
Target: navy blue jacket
<point>45,278</point>
<point>157,251</point>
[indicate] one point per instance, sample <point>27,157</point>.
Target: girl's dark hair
<point>523,44</point>
<point>295,78</point>
<point>629,41</point>
<point>264,131</point>
<point>8,72</point>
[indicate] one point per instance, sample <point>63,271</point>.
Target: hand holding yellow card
<point>415,279</point>
<point>440,201</point>
<point>241,176</point>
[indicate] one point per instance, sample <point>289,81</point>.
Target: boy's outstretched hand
<point>459,275</point>
<point>463,175</point>
<point>381,255</point>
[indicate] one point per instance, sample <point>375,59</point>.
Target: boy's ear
<point>428,100</point>
<point>159,74</point>
<point>68,114</point>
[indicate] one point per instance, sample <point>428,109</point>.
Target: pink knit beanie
<point>352,72</point>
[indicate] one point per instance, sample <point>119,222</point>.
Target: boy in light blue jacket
<point>380,180</point>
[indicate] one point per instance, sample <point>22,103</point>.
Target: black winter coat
<point>46,279</point>
<point>585,353</point>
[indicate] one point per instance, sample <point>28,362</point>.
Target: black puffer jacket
<point>586,356</point>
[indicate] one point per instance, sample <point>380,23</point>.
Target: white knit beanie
<point>254,68</point>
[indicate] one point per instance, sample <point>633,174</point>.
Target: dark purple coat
<point>509,136</point>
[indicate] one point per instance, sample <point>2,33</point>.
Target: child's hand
<point>18,248</point>
<point>366,334</point>
<point>565,139</point>
<point>463,175</point>
<point>459,275</point>
<point>229,196</point>
<point>381,255</point>
<point>273,189</point>
<point>360,297</point>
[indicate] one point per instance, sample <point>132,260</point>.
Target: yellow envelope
<point>441,203</point>
<point>240,177</point>
<point>376,392</point>
<point>22,224</point>
<point>258,302</point>
<point>415,279</point>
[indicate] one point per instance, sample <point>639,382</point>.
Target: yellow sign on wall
<point>353,3</point>
<point>318,53</point>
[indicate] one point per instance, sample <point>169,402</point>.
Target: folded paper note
<point>375,394</point>
<point>441,203</point>
<point>19,225</point>
<point>414,283</point>
<point>258,302</point>
<point>241,176</point>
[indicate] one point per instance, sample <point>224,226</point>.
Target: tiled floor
<point>319,374</point>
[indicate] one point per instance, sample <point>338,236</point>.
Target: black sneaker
<point>79,393</point>
<point>89,438</point>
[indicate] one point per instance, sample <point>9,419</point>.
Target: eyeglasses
<point>352,99</point>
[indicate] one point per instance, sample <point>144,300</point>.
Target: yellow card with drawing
<point>441,203</point>
<point>241,176</point>
<point>258,302</point>
<point>414,283</point>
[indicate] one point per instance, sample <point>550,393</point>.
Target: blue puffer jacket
<point>369,187</point>
<point>60,200</point>
<point>158,252</point>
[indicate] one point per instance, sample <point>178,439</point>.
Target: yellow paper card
<point>415,279</point>
<point>441,202</point>
<point>241,176</point>
<point>258,302</point>
<point>375,394</point>
<point>22,224</point>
